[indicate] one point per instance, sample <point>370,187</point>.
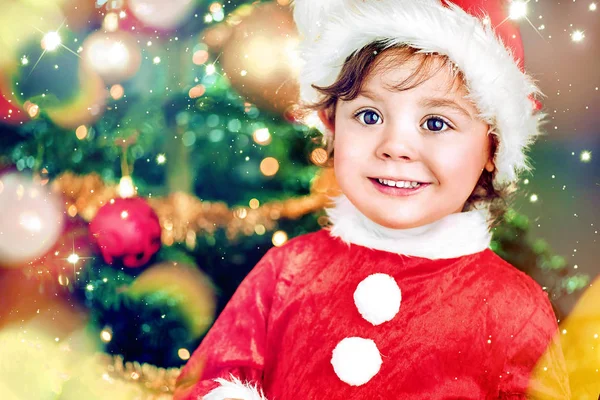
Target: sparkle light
<point>210,69</point>
<point>161,159</point>
<point>156,60</point>
<point>577,36</point>
<point>585,156</point>
<point>124,214</point>
<point>533,198</point>
<point>51,41</point>
<point>24,60</point>
<point>518,10</point>
<point>593,7</point>
<point>73,258</point>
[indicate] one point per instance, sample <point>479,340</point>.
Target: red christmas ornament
<point>127,230</point>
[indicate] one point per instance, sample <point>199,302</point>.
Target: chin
<point>398,222</point>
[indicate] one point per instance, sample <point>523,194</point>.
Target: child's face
<point>406,135</point>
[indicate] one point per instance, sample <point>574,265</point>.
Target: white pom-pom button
<point>356,360</point>
<point>378,298</point>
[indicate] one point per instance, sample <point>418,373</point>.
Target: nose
<point>398,143</point>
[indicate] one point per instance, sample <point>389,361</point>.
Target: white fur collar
<point>452,236</point>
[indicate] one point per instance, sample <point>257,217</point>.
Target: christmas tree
<point>150,156</point>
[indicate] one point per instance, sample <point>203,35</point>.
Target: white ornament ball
<point>115,56</point>
<point>31,219</point>
<point>356,360</point>
<point>161,14</point>
<point>378,298</point>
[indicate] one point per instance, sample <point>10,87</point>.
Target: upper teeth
<point>405,184</point>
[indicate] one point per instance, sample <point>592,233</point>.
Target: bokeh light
<point>269,166</point>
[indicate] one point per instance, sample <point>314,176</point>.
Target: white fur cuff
<point>234,389</point>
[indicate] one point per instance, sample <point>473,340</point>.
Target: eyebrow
<point>428,102</point>
<point>444,103</point>
<point>368,94</point>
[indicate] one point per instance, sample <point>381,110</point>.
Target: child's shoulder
<point>311,242</point>
<point>497,268</point>
<point>509,285</point>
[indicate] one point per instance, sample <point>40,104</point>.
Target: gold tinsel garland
<point>183,216</point>
<point>159,383</point>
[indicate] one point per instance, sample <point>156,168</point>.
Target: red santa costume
<point>360,311</point>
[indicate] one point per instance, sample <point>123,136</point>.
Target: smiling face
<point>428,134</point>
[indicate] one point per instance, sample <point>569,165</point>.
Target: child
<point>401,298</point>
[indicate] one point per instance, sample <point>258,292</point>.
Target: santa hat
<point>476,35</point>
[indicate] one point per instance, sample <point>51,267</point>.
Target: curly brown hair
<point>358,66</point>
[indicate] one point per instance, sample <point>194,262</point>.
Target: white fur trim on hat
<point>234,389</point>
<point>455,235</point>
<point>332,30</point>
<point>356,360</point>
<point>377,298</point>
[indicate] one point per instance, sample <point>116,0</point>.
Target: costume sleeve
<point>535,367</point>
<point>230,359</point>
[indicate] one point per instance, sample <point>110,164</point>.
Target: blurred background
<point>150,155</point>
